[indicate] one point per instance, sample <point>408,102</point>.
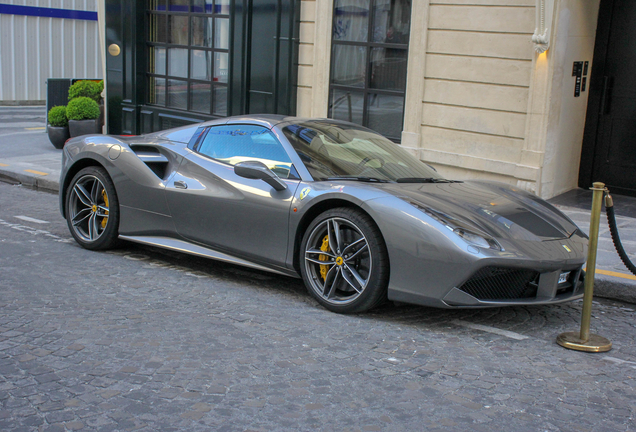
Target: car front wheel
<point>92,209</point>
<point>344,261</point>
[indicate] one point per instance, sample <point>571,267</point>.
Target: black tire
<point>93,215</point>
<point>338,284</point>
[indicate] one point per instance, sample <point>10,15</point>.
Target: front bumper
<point>466,279</point>
<point>499,286</point>
<point>430,267</point>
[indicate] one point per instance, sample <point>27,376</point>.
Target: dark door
<point>609,148</point>
<point>122,64</point>
<point>212,205</point>
<point>271,55</point>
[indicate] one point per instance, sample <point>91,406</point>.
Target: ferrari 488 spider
<point>359,218</point>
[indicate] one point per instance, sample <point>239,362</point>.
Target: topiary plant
<point>82,108</point>
<point>85,88</point>
<point>57,116</point>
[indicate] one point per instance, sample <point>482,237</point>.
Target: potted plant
<point>85,88</point>
<point>90,89</point>
<point>58,126</point>
<point>83,116</point>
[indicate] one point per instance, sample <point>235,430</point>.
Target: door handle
<point>114,50</point>
<point>180,184</point>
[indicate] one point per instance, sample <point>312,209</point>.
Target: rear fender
<point>139,171</point>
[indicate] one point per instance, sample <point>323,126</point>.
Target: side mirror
<point>258,171</point>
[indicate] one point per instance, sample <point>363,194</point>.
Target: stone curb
<point>32,181</point>
<point>613,289</point>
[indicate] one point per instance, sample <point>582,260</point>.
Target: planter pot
<point>58,135</point>
<point>84,127</point>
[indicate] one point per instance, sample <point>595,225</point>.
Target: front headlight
<point>458,227</point>
<point>477,239</point>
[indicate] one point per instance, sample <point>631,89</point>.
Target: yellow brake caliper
<point>324,248</point>
<point>105,219</point>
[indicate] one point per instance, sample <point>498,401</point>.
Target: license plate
<point>563,277</point>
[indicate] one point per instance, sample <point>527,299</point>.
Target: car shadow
<point>542,321</point>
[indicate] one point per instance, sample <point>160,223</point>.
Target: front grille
<point>496,283</point>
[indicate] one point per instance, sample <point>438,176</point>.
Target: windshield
<point>333,150</point>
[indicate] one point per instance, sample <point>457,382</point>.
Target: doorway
<point>179,62</point>
<point>609,143</point>
<point>272,55</point>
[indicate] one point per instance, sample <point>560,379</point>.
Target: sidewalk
<point>28,158</point>
<point>612,280</point>
<point>26,154</point>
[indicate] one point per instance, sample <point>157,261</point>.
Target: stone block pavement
<point>139,339</point>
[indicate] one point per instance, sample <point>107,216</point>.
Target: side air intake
<point>156,161</point>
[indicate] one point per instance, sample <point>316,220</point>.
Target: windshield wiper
<point>425,180</point>
<point>362,179</point>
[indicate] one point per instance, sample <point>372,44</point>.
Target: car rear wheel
<point>92,209</point>
<point>344,261</point>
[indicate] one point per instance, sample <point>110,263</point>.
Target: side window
<point>232,144</point>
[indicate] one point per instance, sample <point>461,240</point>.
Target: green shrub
<point>57,116</point>
<point>89,89</point>
<point>82,108</point>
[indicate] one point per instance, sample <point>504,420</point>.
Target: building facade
<point>174,62</point>
<point>480,101</point>
<point>507,90</point>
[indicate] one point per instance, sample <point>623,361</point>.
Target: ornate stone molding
<point>541,36</point>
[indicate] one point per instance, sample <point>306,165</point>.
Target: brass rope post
<point>583,340</point>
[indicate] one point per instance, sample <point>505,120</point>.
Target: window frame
<point>151,45</point>
<point>369,45</point>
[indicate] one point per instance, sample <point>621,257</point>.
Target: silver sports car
<point>353,214</point>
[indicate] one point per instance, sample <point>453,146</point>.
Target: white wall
<point>477,76</point>
<point>574,41</point>
<point>33,49</point>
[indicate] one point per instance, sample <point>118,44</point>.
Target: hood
<point>496,209</point>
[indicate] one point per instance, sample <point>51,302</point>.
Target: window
<point>188,49</point>
<point>330,149</point>
<point>232,144</point>
<point>368,63</point>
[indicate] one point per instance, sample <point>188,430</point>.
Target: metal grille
<point>496,283</point>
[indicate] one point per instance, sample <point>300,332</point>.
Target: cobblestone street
<point>142,339</point>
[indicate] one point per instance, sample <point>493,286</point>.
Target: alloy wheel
<point>89,210</point>
<point>338,261</point>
